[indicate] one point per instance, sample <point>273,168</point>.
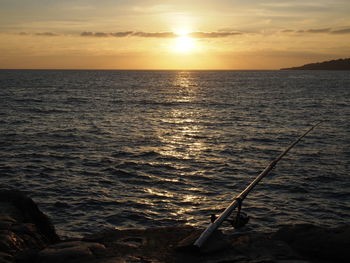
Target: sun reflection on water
<point>182,141</point>
<point>159,193</point>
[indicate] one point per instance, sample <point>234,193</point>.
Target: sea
<point>121,149</point>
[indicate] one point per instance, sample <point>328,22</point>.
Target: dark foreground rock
<point>316,242</point>
<point>27,236</point>
<point>24,229</point>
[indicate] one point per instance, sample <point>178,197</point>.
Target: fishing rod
<point>239,198</point>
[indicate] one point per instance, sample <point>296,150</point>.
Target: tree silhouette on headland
<point>339,64</point>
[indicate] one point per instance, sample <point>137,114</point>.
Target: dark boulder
<point>24,229</point>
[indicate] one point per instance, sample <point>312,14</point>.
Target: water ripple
<point>101,149</point>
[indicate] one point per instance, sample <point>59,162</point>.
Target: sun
<point>184,43</point>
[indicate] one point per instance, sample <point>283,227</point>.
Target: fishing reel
<point>237,221</point>
<point>240,220</point>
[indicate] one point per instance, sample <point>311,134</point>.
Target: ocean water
<point>105,149</point>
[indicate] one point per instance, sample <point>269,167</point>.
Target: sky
<point>181,34</point>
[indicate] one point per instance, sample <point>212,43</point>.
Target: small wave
<point>339,196</point>
<point>46,111</point>
<point>196,147</point>
<point>322,178</point>
<point>260,140</point>
<point>150,154</point>
<point>28,101</point>
<point>119,172</point>
<point>76,100</point>
<point>138,217</point>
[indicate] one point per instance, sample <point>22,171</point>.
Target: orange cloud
<point>213,34</point>
<point>319,31</point>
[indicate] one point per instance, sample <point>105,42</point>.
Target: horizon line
<point>140,69</point>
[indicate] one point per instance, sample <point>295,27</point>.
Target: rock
<point>162,245</point>
<point>257,245</point>
<point>65,252</point>
<point>24,229</point>
<point>6,258</point>
<point>27,236</point>
<point>316,242</point>
<point>217,241</point>
<point>21,208</point>
<point>262,260</point>
<point>6,222</point>
<point>292,261</point>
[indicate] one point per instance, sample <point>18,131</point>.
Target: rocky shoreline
<point>27,236</point>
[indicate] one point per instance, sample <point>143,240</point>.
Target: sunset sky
<point>181,34</point>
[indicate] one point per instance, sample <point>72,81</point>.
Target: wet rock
<point>330,244</point>
<point>143,245</point>
<point>292,261</point>
<point>262,260</point>
<point>217,241</point>
<point>65,252</point>
<point>257,245</point>
<point>6,258</point>
<point>6,222</point>
<point>24,229</point>
<point>21,208</point>
<point>162,245</point>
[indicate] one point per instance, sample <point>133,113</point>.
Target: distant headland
<point>338,64</point>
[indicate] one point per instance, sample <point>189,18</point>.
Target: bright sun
<point>184,43</point>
